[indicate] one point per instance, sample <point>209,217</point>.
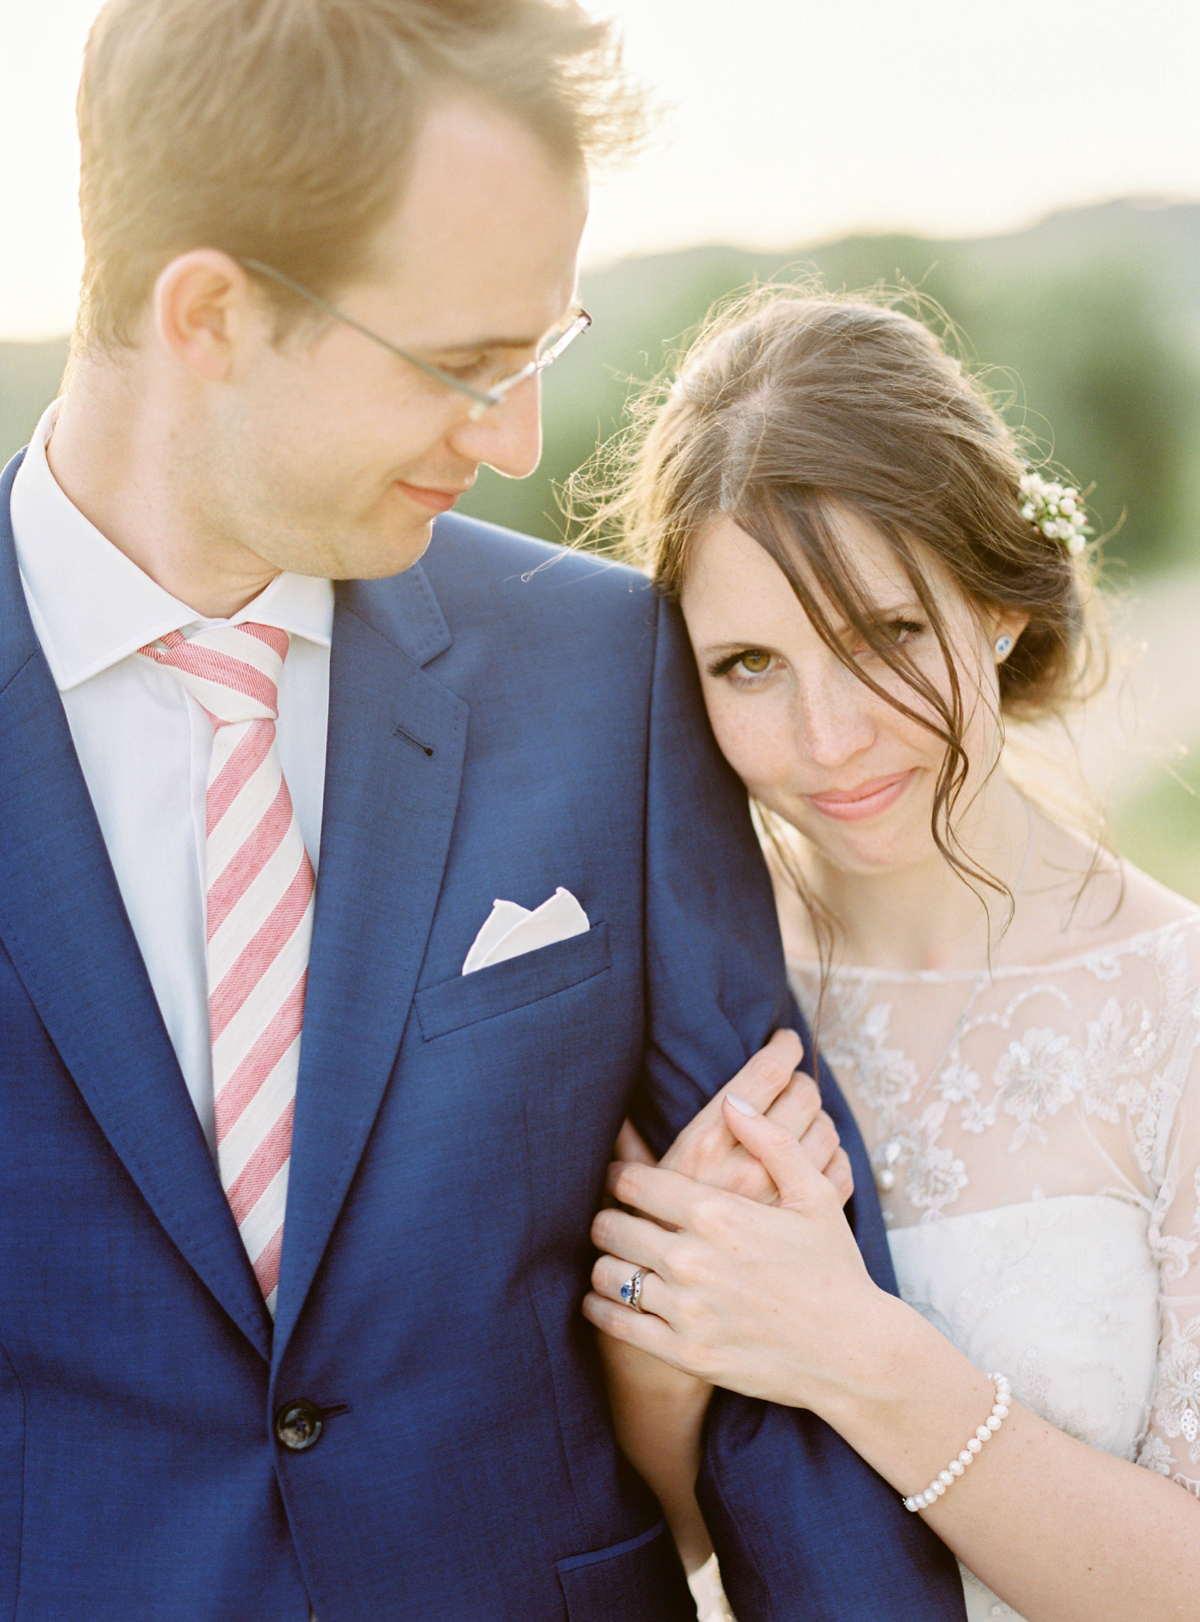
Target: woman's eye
<point>746,667</point>
<point>898,632</point>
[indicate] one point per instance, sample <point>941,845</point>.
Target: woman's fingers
<point>632,1146</point>
<point>641,1329</point>
<point>673,1199</point>
<point>610,1273</point>
<point>765,1076</point>
<point>820,1141</point>
<point>704,1149</point>
<point>797,1107</point>
<point>631,1238</point>
<point>841,1174</point>
<point>793,1173</point>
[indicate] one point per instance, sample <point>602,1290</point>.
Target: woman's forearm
<point>658,1414</point>
<point>1061,1531</point>
<point>776,1303</point>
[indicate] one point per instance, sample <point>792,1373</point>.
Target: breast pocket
<point>488,993</point>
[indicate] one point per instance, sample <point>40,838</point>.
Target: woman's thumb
<point>790,1169</point>
<point>632,1146</point>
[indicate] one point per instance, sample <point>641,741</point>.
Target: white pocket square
<point>511,931</point>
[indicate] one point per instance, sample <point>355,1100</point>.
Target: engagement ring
<point>631,1290</point>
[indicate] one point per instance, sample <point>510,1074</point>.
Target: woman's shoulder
<point>1147,905</point>
<point>1090,908</point>
<point>1083,901</point>
<point>1116,906</point>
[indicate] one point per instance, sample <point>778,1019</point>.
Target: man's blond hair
<point>278,129</point>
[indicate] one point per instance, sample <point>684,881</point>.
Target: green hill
<point>1088,326</point>
<point>29,379</point>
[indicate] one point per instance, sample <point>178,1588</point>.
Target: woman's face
<point>811,741</point>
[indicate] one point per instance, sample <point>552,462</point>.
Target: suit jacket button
<point>298,1425</point>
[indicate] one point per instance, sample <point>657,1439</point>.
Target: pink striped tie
<point>259,923</point>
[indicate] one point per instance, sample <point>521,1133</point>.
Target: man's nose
<point>508,436</point>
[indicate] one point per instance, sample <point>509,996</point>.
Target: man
<point>295,1209</point>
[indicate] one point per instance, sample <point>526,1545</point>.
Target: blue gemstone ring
<point>631,1290</point>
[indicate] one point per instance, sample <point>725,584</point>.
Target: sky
<point>785,122</point>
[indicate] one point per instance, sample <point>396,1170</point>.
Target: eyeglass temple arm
<point>482,399</point>
<point>579,326</point>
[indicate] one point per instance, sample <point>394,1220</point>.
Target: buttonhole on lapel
<point>426,749</point>
<point>335,1408</point>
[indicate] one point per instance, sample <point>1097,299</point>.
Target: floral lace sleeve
<point>1172,1443</point>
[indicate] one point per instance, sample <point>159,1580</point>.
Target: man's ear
<point>205,311</point>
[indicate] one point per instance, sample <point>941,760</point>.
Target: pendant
<point>885,1158</point>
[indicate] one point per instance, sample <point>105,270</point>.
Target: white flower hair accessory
<point>1057,510</point>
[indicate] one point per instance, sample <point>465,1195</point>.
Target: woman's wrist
<point>863,1376</point>
<point>904,1398</point>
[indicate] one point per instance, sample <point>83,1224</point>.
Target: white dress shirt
<point>144,744</point>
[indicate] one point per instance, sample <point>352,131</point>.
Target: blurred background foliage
<point>1157,825</point>
<point>1087,330</point>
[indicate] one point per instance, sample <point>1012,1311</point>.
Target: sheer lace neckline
<point>1098,954</point>
<point>998,1098</point>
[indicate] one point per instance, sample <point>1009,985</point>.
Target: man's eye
<point>468,371</point>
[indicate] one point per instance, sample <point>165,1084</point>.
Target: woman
<point>875,588</point>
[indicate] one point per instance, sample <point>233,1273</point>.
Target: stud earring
<point>1004,646</point>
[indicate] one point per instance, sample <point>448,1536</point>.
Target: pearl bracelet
<point>957,1466</point>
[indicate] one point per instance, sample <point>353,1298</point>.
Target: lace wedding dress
<point>1036,1137</point>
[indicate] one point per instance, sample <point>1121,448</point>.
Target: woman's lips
<point>438,501</point>
<point>867,800</point>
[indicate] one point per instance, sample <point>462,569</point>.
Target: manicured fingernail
<point>740,1104</point>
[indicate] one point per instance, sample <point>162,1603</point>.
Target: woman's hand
<point>709,1152</point>
<point>775,1303</point>
<point>658,1410</point>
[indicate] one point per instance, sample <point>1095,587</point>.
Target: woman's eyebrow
<point>879,611</point>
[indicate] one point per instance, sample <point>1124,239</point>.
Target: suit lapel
<point>396,743</point>
<point>64,925</point>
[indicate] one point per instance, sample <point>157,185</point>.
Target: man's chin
<point>391,556</point>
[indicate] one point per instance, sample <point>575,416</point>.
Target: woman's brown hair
<point>789,406</point>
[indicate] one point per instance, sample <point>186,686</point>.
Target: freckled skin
<point>796,724</point>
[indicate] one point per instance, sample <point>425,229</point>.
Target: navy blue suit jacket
<point>504,718</point>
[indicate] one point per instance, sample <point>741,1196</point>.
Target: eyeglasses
<point>482,399</point>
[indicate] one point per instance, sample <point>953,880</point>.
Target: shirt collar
<point>92,606</point>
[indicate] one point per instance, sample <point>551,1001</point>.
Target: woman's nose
<point>508,436</point>
<point>833,715</point>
